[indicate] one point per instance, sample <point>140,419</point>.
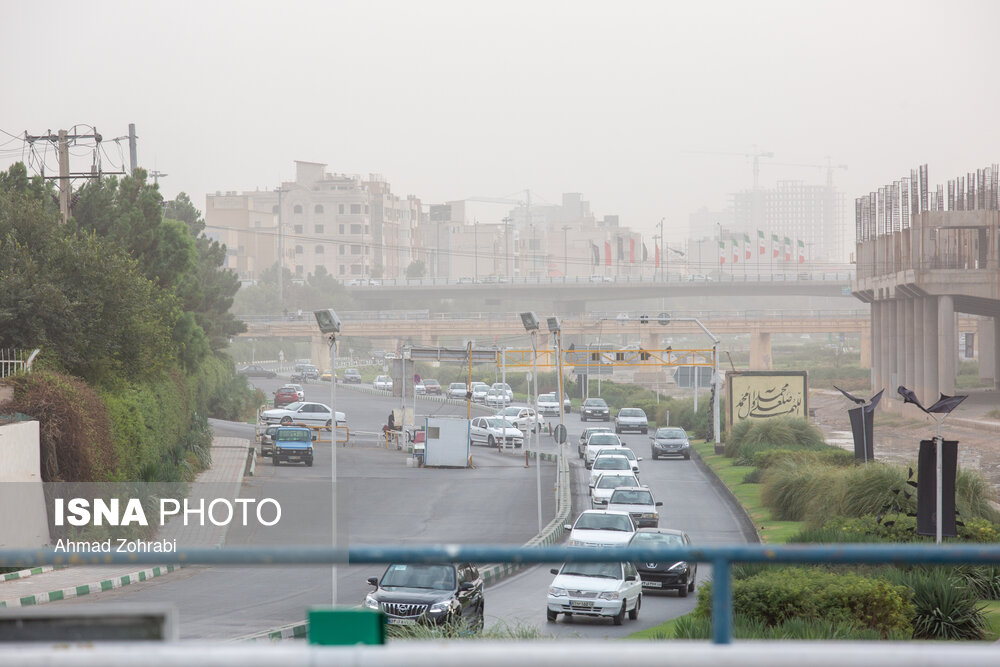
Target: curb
<point>24,574</point>
<point>747,526</point>
<point>292,631</point>
<point>87,589</point>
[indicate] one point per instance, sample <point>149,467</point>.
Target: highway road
<point>384,501</point>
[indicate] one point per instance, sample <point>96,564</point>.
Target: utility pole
<point>663,256</point>
<point>132,160</point>
<point>281,260</point>
<point>565,229</point>
<point>64,183</point>
<point>157,175</point>
<point>506,235</point>
<point>475,242</point>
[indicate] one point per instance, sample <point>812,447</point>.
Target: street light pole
<point>531,324</point>
<point>329,324</point>
<point>475,241</point>
<point>565,229</point>
<point>506,245</point>
<point>663,257</point>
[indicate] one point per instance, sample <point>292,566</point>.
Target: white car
<point>609,463</point>
<point>523,418</point>
<point>383,382</point>
<point>310,414</point>
<point>506,389</point>
<point>631,419</point>
<point>595,589</point>
<point>638,502</point>
<point>457,390</point>
<point>419,389</point>
<point>621,451</point>
<point>605,485</point>
<point>298,390</point>
<point>601,279</point>
<point>600,528</point>
<point>548,404</point>
<point>493,431</point>
<point>496,398</point>
<point>479,390</point>
<point>596,443</point>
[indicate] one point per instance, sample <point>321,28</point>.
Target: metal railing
<point>720,558</point>
<point>14,361</point>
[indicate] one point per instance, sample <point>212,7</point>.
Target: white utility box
<point>446,442</point>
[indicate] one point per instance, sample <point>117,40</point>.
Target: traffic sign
<point>663,318</point>
<point>559,433</point>
<point>416,379</point>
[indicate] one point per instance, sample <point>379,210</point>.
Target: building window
<point>319,250</point>
<point>341,228</point>
<point>343,248</point>
<point>340,208</point>
<point>366,229</point>
<point>298,250</point>
<point>355,269</point>
<point>366,208</point>
<point>355,250</point>
<point>355,229</point>
<point>342,269</point>
<point>298,229</point>
<point>355,209</point>
<point>299,269</point>
<point>274,209</point>
<point>319,229</point>
<point>298,209</point>
<point>318,208</point>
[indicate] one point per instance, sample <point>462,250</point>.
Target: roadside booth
<point>446,442</point>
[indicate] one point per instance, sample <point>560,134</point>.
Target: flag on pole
<point>788,249</point>
<point>802,252</point>
<point>607,253</point>
<point>657,261</point>
<point>736,251</point>
<point>760,240</point>
<point>631,250</point>
<point>746,246</point>
<point>645,253</point>
<point>774,246</point>
<point>596,253</point>
<point>722,252</point>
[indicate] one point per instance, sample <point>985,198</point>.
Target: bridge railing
<point>751,275</point>
<point>721,558</point>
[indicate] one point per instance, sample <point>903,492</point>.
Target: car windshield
<point>604,522</point>
<point>510,412</point>
<point>602,570</point>
<point>670,433</point>
<point>630,497</point>
<point>547,398</point>
<point>595,403</point>
<point>614,481</point>
<point>602,439</point>
<point>293,406</point>
<point>431,383</point>
<point>618,451</point>
<point>631,412</point>
<point>612,463</point>
<point>456,385</point>
<point>434,577</point>
<point>296,434</point>
<point>658,539</point>
<point>499,423</point>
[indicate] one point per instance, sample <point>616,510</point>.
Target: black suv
<point>595,408</point>
<point>429,594</point>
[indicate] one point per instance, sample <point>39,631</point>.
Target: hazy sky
<point>453,99</point>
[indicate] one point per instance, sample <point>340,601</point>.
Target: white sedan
<point>493,431</point>
<point>605,487</point>
<point>523,418</point>
<point>548,404</point>
<point>600,528</point>
<point>595,589</point>
<point>310,414</point>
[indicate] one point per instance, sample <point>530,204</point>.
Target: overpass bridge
<point>423,328</point>
<point>572,294</point>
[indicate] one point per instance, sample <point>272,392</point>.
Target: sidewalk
<point>229,456</point>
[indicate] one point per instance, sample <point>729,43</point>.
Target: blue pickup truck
<point>292,443</point>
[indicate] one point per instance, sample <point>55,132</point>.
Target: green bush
<point>944,607</point>
<point>693,627</point>
<point>812,594</point>
<point>833,456</point>
<point>748,437</point>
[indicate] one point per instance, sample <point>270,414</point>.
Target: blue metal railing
<point>720,557</point>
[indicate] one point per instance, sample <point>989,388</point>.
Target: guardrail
<point>720,557</point>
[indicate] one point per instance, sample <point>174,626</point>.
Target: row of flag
<point>596,252</point>
<point>778,248</point>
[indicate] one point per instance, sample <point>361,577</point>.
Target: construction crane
<point>526,203</point>
<point>755,154</point>
<point>829,166</point>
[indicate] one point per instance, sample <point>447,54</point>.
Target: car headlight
<point>310,451</point>
<point>677,566</point>
<point>440,607</point>
<point>609,595</point>
<point>557,592</point>
<point>371,602</point>
<point>649,515</point>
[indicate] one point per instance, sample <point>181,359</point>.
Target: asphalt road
<point>382,501</point>
<point>690,503</point>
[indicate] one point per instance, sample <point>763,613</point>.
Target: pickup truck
<point>292,443</point>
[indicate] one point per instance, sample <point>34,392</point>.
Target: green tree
<point>416,269</point>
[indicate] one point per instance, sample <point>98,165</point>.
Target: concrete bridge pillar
<point>909,359</point>
<point>887,353</point>
<point>947,345</point>
<point>929,390</point>
<point>866,346</point>
<point>899,336</point>
<point>760,351</point>
<point>917,325</point>
<point>987,350</point>
<point>877,333</point>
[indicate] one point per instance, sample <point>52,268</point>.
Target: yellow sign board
<point>766,394</point>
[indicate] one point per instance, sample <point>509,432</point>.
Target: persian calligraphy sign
<point>766,394</point>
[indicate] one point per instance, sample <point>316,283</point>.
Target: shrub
<point>776,596</point>
<point>834,456</point>
<point>748,437</point>
<point>944,607</point>
<point>691,627</point>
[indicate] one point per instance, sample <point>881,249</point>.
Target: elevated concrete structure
<point>916,279</point>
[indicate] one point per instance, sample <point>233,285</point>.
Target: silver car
<point>631,419</point>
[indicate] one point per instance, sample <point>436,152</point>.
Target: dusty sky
<point>449,100</point>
